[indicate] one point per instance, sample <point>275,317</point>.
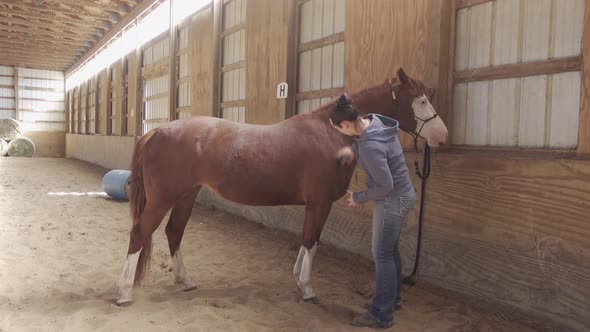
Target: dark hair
<point>344,110</point>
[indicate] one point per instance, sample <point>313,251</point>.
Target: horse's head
<point>406,100</point>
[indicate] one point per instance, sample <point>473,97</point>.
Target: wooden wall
<point>267,33</point>
<point>201,62</point>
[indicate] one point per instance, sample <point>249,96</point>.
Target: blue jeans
<point>388,218</point>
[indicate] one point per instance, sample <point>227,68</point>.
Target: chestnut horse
<point>292,162</point>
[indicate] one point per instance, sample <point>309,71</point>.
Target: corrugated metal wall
<point>534,111</point>
<point>40,105</point>
<point>157,84</point>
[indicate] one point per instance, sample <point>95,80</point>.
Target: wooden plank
<point>469,3</point>
<point>519,70</point>
<point>234,66</point>
<point>267,33</point>
<point>503,109</point>
<point>235,103</point>
<point>536,30</point>
<point>233,29</point>
<point>138,10</point>
<point>318,43</point>
<point>565,110</point>
<point>317,94</point>
<point>201,62</point>
<point>532,111</point>
<point>584,120</point>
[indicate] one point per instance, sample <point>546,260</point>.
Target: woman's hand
<point>345,156</point>
<point>350,200</point>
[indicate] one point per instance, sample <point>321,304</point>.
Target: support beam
<point>17,43</point>
<point>55,35</point>
<point>57,28</point>
<point>16,93</point>
<point>67,22</point>
<point>216,65</point>
<point>32,39</point>
<point>584,122</point>
<point>172,72</point>
<point>128,19</point>
<point>546,67</point>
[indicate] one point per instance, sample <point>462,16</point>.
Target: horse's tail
<point>137,202</point>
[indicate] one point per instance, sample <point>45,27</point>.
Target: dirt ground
<point>62,248</point>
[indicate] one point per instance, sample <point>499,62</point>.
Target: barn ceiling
<point>54,34</point>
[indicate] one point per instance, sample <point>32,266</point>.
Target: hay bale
<point>21,147</point>
<point>9,129</point>
<point>3,147</point>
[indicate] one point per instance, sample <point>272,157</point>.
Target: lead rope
<point>411,279</point>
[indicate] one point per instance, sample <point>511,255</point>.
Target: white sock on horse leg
<point>127,277</point>
<point>299,262</point>
<point>180,276</point>
<point>304,282</point>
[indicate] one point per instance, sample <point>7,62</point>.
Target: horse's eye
<point>423,102</point>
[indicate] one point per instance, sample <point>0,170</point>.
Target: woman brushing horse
<point>292,162</point>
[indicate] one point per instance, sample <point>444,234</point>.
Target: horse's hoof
<point>312,300</point>
<point>123,303</point>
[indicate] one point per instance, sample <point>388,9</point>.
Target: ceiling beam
<point>52,34</point>
<point>34,64</point>
<point>39,51</point>
<point>75,21</point>
<point>59,10</point>
<point>24,57</point>
<point>92,4</point>
<point>41,44</point>
<point>135,12</point>
<point>45,39</point>
<point>58,27</point>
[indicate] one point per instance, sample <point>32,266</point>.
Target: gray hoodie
<point>379,152</point>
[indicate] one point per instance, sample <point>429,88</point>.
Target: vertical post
<point>138,91</point>
<point>172,67</point>
<point>292,44</point>
<point>67,106</point>
<point>450,64</point>
<point>16,94</point>
<point>87,107</point>
<point>584,122</point>
<point>217,21</point>
<point>79,121</point>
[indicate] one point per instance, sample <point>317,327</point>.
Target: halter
<point>414,134</point>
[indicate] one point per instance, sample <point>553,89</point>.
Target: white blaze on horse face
<point>434,131</point>
<point>304,279</point>
<point>127,277</point>
<point>180,276</point>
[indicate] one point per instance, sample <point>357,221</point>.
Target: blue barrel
<point>116,184</point>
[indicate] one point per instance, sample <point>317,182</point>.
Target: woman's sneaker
<point>367,320</point>
<point>398,306</point>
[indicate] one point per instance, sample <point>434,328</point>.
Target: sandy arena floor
<point>60,256</point>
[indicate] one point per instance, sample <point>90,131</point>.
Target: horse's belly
<point>259,194</point>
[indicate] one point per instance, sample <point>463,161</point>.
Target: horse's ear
<point>403,77</point>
